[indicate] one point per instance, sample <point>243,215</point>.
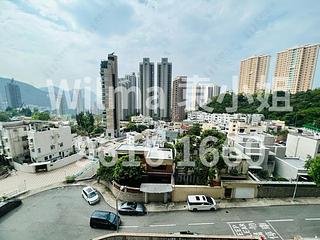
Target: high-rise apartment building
<point>13,95</point>
<point>148,99</point>
<point>164,80</point>
<point>295,69</point>
<point>201,94</point>
<point>179,92</point>
<point>128,91</point>
<point>253,74</point>
<point>110,97</point>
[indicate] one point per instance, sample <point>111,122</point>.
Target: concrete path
<point>21,181</point>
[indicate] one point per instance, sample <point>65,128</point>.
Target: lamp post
<point>117,207</point>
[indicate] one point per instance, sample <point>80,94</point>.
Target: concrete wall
<point>30,168</point>
<point>181,192</point>
<point>301,146</point>
<point>286,190</point>
<point>125,196</point>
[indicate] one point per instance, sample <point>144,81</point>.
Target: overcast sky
<point>42,39</point>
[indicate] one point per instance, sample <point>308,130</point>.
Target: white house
<point>303,145</point>
<point>49,143</point>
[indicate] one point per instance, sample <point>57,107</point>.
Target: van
<point>105,220</point>
<point>201,202</point>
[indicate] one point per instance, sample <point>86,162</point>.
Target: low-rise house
<point>260,147</point>
<point>49,142</point>
<point>290,168</point>
<point>158,162</point>
<point>303,144</point>
<point>14,141</point>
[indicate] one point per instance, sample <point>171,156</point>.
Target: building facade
<point>14,141</point>
<point>164,80</point>
<point>148,105</point>
<point>253,74</point>
<point>201,94</point>
<point>49,143</point>
<point>128,90</point>
<point>295,69</point>
<point>110,97</point>
<point>179,92</point>
<point>13,95</point>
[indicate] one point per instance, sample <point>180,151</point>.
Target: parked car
<point>132,208</point>
<point>201,202</point>
<point>105,220</point>
<point>90,195</point>
<point>7,206</point>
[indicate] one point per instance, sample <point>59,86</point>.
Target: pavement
<point>20,181</point>
<point>233,203</point>
<point>62,213</point>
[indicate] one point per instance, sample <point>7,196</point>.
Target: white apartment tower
<point>201,94</point>
<point>110,97</point>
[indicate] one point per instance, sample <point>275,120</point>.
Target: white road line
<point>240,222</point>
<point>197,224</point>
<point>232,229</point>
<point>275,230</point>
<point>280,220</point>
<point>312,219</point>
<point>163,225</point>
<point>129,226</point>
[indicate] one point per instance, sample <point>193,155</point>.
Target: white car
<point>90,195</point>
<point>201,202</point>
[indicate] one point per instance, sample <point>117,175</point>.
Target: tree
<point>43,116</point>
<point>313,166</point>
<point>106,173</point>
<point>4,117</point>
<point>85,121</point>
<point>195,129</point>
<point>127,174</point>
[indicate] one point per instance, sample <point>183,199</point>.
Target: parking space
<point>256,229</point>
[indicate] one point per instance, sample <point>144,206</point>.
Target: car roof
<point>197,198</point>
<point>101,214</point>
<point>88,189</point>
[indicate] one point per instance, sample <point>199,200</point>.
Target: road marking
<point>280,220</point>
<point>275,230</point>
<point>129,226</point>
<point>240,222</point>
<point>312,219</point>
<point>163,225</point>
<point>196,224</point>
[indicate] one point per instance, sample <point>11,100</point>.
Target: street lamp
<point>122,188</point>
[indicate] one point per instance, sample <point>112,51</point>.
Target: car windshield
<point>209,199</point>
<point>92,194</point>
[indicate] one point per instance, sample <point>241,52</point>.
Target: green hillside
<point>306,107</point>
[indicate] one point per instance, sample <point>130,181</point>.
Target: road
<point>63,214</point>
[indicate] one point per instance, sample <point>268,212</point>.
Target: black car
<point>132,208</point>
<point>7,206</point>
<point>104,219</point>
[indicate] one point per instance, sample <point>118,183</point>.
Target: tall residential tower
<point>164,78</point>
<point>295,69</point>
<point>179,92</point>
<point>110,97</point>
<point>147,88</point>
<point>13,95</point>
<point>253,74</point>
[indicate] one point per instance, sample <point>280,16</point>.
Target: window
<point>61,144</point>
<point>46,158</point>
<point>52,147</point>
<point>39,150</point>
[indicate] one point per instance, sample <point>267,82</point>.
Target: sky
<point>67,39</point>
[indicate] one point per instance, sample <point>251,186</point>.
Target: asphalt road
<point>63,214</point>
